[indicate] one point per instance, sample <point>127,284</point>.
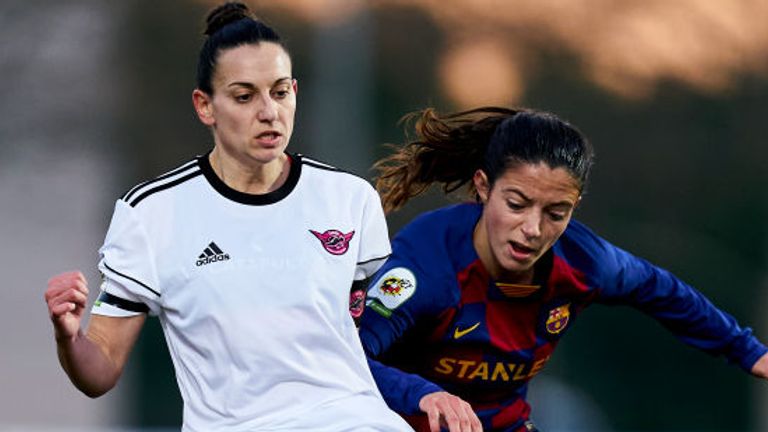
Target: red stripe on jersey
<point>512,324</point>
<point>443,324</point>
<point>473,280</point>
<point>565,281</point>
<point>519,410</point>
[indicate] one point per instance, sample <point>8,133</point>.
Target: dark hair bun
<point>225,14</point>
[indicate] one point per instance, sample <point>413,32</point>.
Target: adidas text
<point>212,259</point>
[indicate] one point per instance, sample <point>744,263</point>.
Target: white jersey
<point>252,292</point>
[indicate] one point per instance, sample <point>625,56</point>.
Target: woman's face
<point>524,213</point>
<point>251,110</point>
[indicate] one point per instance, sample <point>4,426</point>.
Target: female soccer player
<point>475,296</point>
<point>247,255</point>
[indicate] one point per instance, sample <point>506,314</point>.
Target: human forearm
<point>84,361</point>
<point>87,366</point>
<point>679,307</point>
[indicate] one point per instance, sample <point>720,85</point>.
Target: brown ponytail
<point>448,149</point>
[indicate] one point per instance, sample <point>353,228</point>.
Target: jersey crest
<point>356,303</point>
<point>558,319</point>
<point>334,241</point>
<point>395,286</point>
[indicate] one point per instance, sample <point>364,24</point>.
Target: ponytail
<point>447,149</point>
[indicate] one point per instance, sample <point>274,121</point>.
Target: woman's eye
<point>557,216</point>
<point>280,94</point>
<point>514,205</point>
<point>243,97</point>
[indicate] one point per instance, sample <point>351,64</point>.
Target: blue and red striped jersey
<point>435,319</point>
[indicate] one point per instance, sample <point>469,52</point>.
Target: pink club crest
<point>334,241</point>
<point>356,303</point>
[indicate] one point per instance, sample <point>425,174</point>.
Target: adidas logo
<point>211,254</point>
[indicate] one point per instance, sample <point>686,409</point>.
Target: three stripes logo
<point>211,254</point>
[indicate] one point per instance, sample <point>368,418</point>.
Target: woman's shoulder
<point>320,171</point>
<point>444,234</point>
<point>454,218</point>
<point>163,182</point>
<point>321,167</point>
<point>590,253</point>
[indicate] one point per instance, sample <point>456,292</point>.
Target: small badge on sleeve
<point>391,290</point>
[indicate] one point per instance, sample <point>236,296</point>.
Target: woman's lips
<point>269,138</point>
<point>520,252</point>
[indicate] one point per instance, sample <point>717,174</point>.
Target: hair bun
<point>225,14</point>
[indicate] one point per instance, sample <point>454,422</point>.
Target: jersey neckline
<point>252,199</point>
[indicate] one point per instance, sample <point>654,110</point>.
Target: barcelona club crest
<point>558,319</point>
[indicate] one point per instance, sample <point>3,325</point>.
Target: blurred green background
<point>673,95</point>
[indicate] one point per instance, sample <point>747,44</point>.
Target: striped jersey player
<point>434,311</point>
<point>475,297</point>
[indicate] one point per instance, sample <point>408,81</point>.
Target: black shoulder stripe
<point>130,278</point>
<point>165,186</point>
<point>326,167</point>
<point>320,165</point>
<point>179,170</point>
<point>373,259</point>
<point>122,303</point>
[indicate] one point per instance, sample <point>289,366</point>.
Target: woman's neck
<point>491,264</point>
<point>252,177</point>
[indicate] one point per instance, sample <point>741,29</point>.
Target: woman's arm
<point>93,360</point>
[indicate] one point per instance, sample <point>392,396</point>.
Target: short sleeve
<point>116,301</point>
<point>127,261</point>
<point>374,237</point>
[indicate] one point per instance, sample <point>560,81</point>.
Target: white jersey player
<point>252,293</point>
<point>246,255</point>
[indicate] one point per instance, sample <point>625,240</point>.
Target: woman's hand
<point>449,411</point>
<point>66,297</point>
<point>760,369</point>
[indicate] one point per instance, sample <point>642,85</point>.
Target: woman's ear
<point>482,186</point>
<point>203,107</point>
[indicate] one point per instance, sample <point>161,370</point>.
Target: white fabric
<point>262,340</point>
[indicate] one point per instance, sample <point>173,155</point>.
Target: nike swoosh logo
<point>459,333</point>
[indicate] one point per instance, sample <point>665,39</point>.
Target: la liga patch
<point>393,288</point>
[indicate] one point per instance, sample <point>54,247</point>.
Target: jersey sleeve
<point>130,284</point>
<point>401,391</point>
<point>626,279</point>
<point>401,295</point>
<point>374,237</point>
